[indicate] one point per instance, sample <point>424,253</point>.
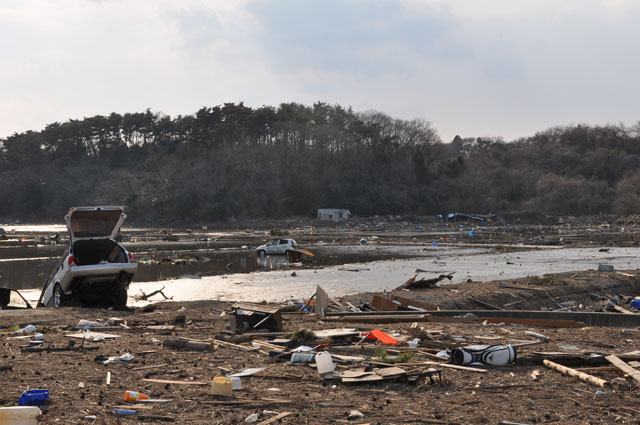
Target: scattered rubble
<point>189,363</point>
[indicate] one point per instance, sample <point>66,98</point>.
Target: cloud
<point>495,67</point>
<point>367,37</point>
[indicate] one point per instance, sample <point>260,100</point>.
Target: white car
<point>95,269</point>
<point>276,246</point>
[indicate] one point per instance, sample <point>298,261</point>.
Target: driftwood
<point>412,283</point>
<point>275,418</point>
<point>186,344</point>
<point>156,418</point>
<point>590,379</point>
<point>145,297</point>
<point>29,349</point>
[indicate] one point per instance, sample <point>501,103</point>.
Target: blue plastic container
<point>302,357</point>
<point>33,397</point>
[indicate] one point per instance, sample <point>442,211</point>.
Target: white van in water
<point>276,246</point>
<point>95,269</point>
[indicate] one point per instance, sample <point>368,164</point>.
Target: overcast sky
<point>471,67</point>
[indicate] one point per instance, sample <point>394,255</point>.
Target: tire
<point>58,295</point>
<point>262,253</point>
<point>5,297</point>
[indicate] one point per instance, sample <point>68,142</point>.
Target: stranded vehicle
<point>276,246</point>
<point>95,269</point>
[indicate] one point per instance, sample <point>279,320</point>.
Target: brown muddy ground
<point>508,393</point>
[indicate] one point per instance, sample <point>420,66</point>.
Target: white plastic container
<point>324,362</point>
<point>236,383</point>
<point>19,415</point>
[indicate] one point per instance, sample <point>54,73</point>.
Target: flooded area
<point>295,283</point>
<point>222,264</point>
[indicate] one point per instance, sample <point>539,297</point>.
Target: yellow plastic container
<point>221,386</point>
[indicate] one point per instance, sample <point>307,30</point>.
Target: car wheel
<point>5,297</point>
<point>58,293</point>
<point>262,253</point>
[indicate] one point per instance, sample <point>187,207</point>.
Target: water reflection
<point>273,262</point>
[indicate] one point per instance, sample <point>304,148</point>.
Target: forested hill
<point>235,161</point>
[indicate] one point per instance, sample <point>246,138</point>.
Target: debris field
<point>386,360</point>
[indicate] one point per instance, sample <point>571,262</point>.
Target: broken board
<point>92,336</point>
<point>322,301</point>
<point>329,333</point>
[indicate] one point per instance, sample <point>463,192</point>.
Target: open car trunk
<point>87,252</point>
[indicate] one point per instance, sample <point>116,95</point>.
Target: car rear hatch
<point>94,222</point>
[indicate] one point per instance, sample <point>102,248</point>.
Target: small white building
<point>335,214</point>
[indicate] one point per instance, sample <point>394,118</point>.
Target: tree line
<point>273,162</point>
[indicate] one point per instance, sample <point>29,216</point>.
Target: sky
<point>474,68</point>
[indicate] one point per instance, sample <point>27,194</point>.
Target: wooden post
<point>576,374</point>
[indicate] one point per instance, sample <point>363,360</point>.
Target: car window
<point>284,241</point>
<point>272,243</point>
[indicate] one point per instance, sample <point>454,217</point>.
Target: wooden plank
<point>169,381</point>
<point>484,304</point>
<point>322,301</point>
<point>328,333</point>
<point>526,288</point>
<point>92,336</point>
<point>383,319</point>
<point>623,366</point>
<point>232,345</point>
<point>339,304</point>
<point>275,418</point>
<point>383,304</point>
<point>550,323</point>
<point>458,367</point>
<point>389,372</point>
<point>256,307</point>
<point>372,377</point>
<point>622,310</point>
<point>407,302</point>
<point>590,379</point>
<point>352,307</point>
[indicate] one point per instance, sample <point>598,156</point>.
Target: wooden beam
<point>374,318</point>
<point>590,379</point>
<point>534,322</point>
<point>407,302</point>
<point>168,381</point>
<point>383,304</point>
